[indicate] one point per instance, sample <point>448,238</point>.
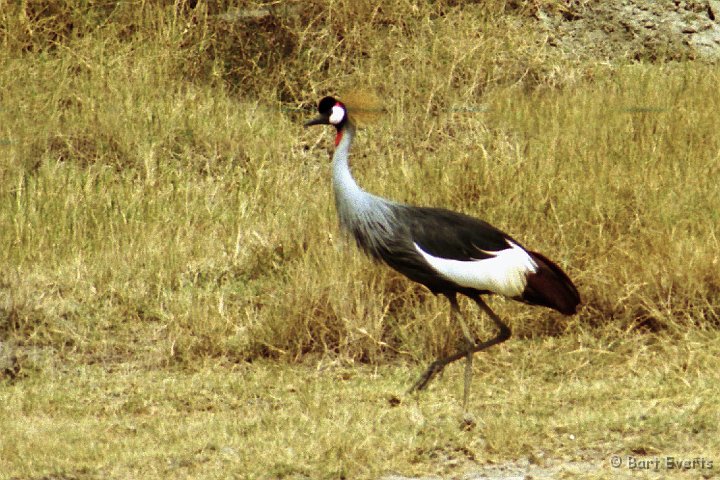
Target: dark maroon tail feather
<point>550,287</point>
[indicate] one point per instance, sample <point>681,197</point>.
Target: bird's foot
<point>427,376</point>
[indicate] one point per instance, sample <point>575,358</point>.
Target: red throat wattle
<point>338,137</point>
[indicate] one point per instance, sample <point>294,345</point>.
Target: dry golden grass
<point>174,284</point>
<point>551,407</point>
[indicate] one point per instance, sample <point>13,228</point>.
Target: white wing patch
<point>505,272</point>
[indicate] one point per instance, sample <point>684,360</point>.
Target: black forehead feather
<point>326,104</point>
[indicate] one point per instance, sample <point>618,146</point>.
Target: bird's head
<point>331,112</point>
<point>363,107</point>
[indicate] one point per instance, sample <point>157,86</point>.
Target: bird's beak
<point>319,120</point>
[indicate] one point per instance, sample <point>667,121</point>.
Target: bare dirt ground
<point>521,470</point>
<point>635,29</point>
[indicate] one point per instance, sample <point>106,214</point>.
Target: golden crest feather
<point>364,107</point>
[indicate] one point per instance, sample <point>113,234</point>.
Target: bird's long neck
<point>367,217</point>
<point>346,189</point>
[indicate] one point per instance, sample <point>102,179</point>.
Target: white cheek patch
<point>337,115</point>
<point>505,272</point>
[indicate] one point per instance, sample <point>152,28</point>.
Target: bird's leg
<point>505,331</point>
<point>468,376</point>
<point>470,344</point>
<point>438,365</point>
<point>469,352</point>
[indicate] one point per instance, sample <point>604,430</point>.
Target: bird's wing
<point>455,236</point>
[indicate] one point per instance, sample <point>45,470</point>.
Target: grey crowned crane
<point>446,251</point>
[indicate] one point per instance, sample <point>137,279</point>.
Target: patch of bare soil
<point>519,470</point>
<point>648,30</point>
